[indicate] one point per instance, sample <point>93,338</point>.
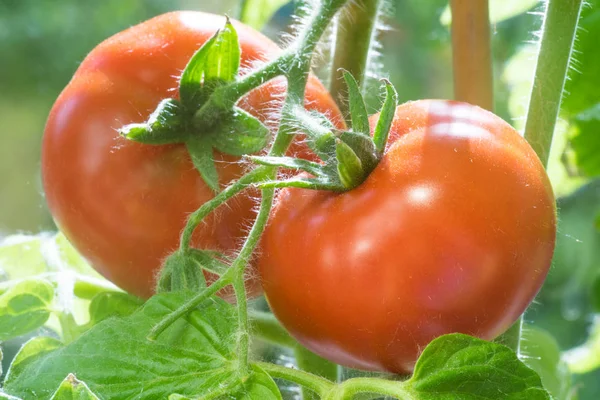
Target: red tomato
<point>123,204</point>
<point>453,231</point>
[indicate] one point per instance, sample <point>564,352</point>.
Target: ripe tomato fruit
<point>453,231</point>
<point>124,204</point>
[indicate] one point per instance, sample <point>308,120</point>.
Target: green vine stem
<point>309,361</point>
<point>197,216</point>
<point>318,385</point>
<point>295,65</point>
<point>355,30</point>
<point>560,26</point>
<point>471,53</point>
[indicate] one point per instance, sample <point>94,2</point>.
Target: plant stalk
<point>318,385</point>
<point>471,53</point>
<point>309,361</point>
<point>560,26</point>
<point>356,27</point>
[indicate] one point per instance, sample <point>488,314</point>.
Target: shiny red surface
<point>123,204</point>
<point>453,231</point>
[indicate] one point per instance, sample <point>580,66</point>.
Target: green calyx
<point>348,157</point>
<point>234,131</point>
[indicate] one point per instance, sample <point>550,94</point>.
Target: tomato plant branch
<point>318,385</point>
<point>355,30</point>
<point>297,77</point>
<point>197,216</point>
<point>354,386</point>
<point>224,280</point>
<point>309,361</point>
<point>471,53</point>
<point>296,67</point>
<point>560,26</point>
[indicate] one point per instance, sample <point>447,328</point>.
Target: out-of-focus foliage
<point>42,42</point>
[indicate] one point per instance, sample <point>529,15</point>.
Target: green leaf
<point>586,141</point>
<point>201,152</point>
<point>500,10</point>
<point>260,386</point>
<point>386,117</point>
<point>24,307</point>
<point>31,351</point>
<point>595,294</point>
<point>581,89</point>
<point>72,259</point>
<point>586,357</point>
<point>112,304</point>
<point>350,169</point>
<point>190,84</point>
<point>576,259</point>
<point>73,389</point>
<point>164,126</point>
<point>5,396</point>
<point>540,352</point>
<point>358,109</point>
<point>289,162</point>
<point>460,366</point>
<point>257,13</point>
<point>192,357</point>
<point>21,256</point>
<point>242,134</point>
<point>223,59</point>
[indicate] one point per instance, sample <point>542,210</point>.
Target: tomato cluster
<point>453,231</point>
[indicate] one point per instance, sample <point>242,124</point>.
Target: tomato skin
<point>453,231</point>
<point>124,204</point>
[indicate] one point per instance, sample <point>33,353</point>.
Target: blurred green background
<point>43,42</point>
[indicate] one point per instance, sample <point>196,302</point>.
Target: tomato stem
<point>197,216</point>
<point>186,308</point>
<point>471,53</point>
<point>350,388</point>
<point>560,26</point>
<point>356,27</point>
<point>310,362</point>
<point>318,385</point>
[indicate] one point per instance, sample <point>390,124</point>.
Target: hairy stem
<point>185,309</point>
<point>318,385</point>
<point>471,53</point>
<point>355,30</point>
<point>297,77</point>
<point>560,25</point>
<point>309,361</point>
<point>197,216</point>
<point>354,386</point>
<point>239,265</point>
